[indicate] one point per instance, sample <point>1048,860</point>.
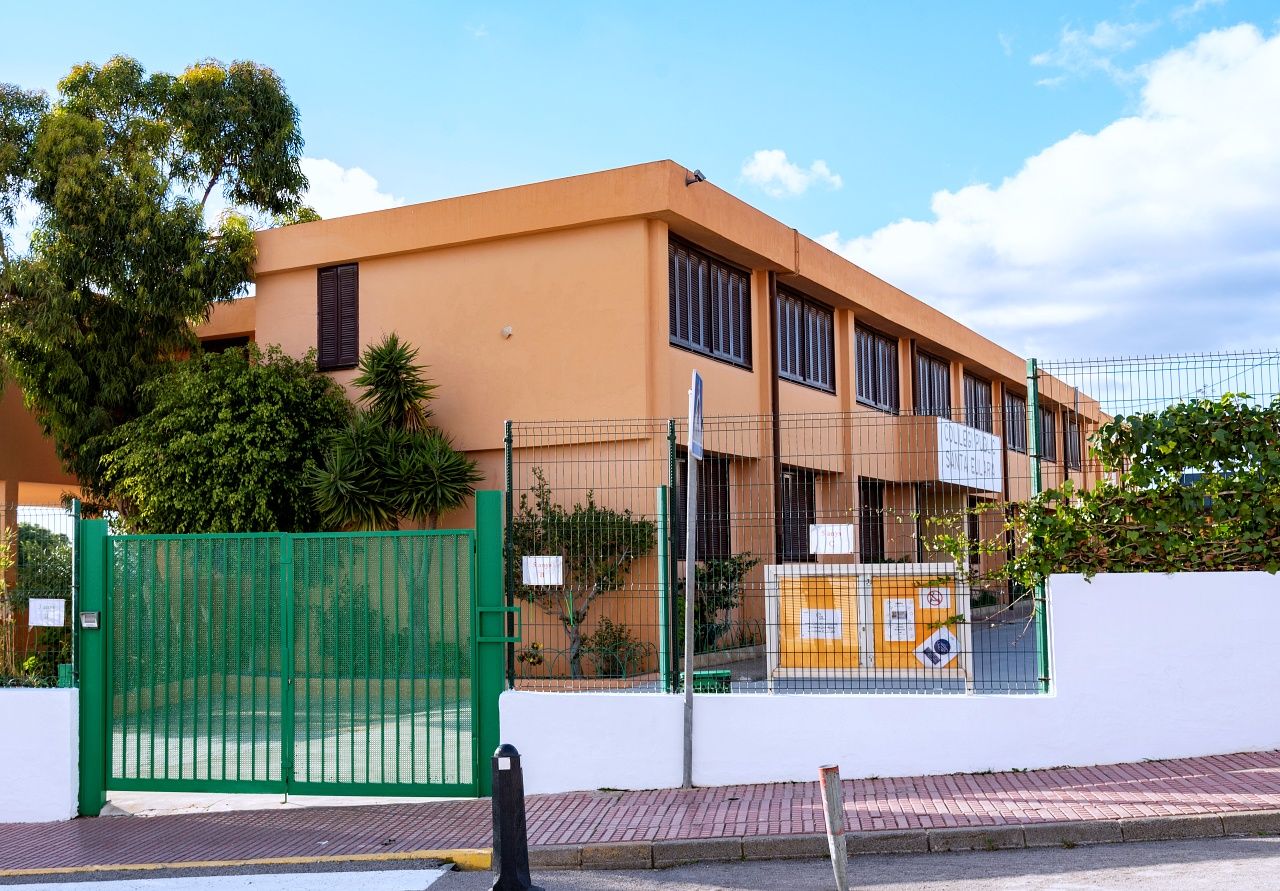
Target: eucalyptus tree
<point>120,169</point>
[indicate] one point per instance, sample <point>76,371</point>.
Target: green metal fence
<point>343,663</point>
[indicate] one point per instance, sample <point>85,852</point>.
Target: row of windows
<point>710,313</point>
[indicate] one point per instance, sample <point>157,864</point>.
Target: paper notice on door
<point>900,619</point>
<point>820,624</point>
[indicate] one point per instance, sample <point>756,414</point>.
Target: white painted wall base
<point>1144,666</point>
<point>39,755</point>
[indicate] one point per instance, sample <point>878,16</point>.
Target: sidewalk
<point>1194,797</point>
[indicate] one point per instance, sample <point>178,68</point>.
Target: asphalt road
<point>1244,863</point>
<point>1217,864</point>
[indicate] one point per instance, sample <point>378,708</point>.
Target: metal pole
<point>664,592</point>
<point>508,553</point>
<point>833,810</point>
<point>1037,486</point>
<point>673,551</point>
<point>75,591</point>
<point>690,591</point>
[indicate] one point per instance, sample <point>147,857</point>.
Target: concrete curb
<point>678,852</point>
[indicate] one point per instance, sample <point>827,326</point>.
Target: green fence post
<point>92,538</point>
<point>1037,486</point>
<point>664,594</point>
<point>492,639</point>
<point>288,666</point>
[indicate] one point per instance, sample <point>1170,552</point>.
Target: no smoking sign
<point>935,598</point>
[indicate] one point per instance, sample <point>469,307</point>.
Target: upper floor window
<point>709,305</point>
<point>1072,443</point>
<point>338,315</point>
<point>933,386</point>
<point>1048,434</point>
<point>806,341</point>
<point>876,357</point>
<point>1015,422</point>
<point>977,402</point>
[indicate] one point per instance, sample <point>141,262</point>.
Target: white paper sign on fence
<point>899,619</point>
<point>831,538</point>
<point>543,570</point>
<point>46,612</point>
<point>820,624</point>
<point>935,598</point>
<point>938,649</point>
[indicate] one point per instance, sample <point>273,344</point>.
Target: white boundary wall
<point>39,754</point>
<point>1144,666</point>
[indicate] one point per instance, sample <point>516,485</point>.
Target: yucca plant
<point>389,464</point>
<point>396,391</point>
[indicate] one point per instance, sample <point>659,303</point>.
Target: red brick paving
<point>1219,784</point>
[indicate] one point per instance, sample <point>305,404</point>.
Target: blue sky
<point>896,103</point>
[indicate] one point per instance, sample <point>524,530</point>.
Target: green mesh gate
<point>328,663</point>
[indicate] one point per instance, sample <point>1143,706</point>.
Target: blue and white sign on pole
<point>695,417</point>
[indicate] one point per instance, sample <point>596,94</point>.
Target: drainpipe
<point>776,415</point>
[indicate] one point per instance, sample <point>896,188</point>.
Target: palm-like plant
<point>389,463</point>
<point>395,389</point>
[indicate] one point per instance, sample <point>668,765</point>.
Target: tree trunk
<point>575,648</point>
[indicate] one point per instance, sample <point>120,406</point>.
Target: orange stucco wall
<point>28,464</point>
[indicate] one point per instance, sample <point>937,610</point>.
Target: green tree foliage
<point>122,261</point>
<point>598,545</point>
<point>44,563</point>
<point>226,444</point>
<point>389,463</point>
<point>719,590</point>
<point>1192,488</point>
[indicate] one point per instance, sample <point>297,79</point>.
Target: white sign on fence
<point>820,624</point>
<point>542,570</point>
<point>938,649</point>
<point>830,538</point>
<point>46,612</point>
<point>969,457</point>
<point>935,598</point>
<point>899,619</point>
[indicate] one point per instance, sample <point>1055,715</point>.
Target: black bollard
<point>510,836</point>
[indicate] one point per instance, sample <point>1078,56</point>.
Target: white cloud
<point>1006,42</point>
<point>770,170</point>
<point>478,31</point>
<point>1083,52</point>
<point>337,191</point>
<point>1159,232</point>
<point>1183,12</point>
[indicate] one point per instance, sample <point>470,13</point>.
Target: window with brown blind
<point>798,513</point>
<point>338,314</point>
<point>870,520</point>
<point>1072,442</point>
<point>1015,422</point>
<point>714,532</point>
<point>806,341</point>
<point>977,402</point>
<point>709,305</point>
<point>876,358</point>
<point>933,386</point>
<point>1048,434</point>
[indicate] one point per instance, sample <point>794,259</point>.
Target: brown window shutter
<point>327,318</point>
<point>348,315</point>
